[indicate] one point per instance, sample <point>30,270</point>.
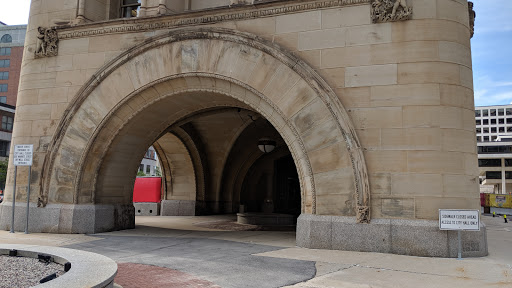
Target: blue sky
<point>492,61</point>
<point>491,46</point>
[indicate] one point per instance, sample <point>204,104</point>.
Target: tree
<point>3,173</point>
<point>140,173</point>
<point>158,172</point>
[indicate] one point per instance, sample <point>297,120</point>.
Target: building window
<point>478,130</point>
<point>4,148</point>
<point>501,129</point>
<point>141,168</point>
<point>5,51</point>
<point>493,121</point>
<point>501,121</point>
<point>3,99</point>
<point>130,8</point>
<point>5,63</point>
<point>477,113</point>
<point>486,122</point>
<point>3,87</point>
<point>493,175</point>
<point>493,112</point>
<point>493,129</point>
<point>7,123</point>
<point>478,122</point>
<point>6,39</point>
<point>489,162</point>
<point>148,169</point>
<point>501,112</point>
<point>4,75</point>
<point>485,113</point>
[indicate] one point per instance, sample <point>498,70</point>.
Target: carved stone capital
<point>472,16</point>
<point>363,214</point>
<point>390,10</point>
<point>47,42</point>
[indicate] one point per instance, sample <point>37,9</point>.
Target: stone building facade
<point>369,102</point>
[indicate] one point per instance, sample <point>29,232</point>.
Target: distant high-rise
<point>12,39</point>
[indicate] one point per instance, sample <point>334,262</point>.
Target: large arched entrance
<point>134,99</point>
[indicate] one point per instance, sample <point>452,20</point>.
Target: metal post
<point>460,245</point>
<point>13,199</point>
<point>28,197</point>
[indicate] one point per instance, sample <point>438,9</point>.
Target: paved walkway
<point>188,252</point>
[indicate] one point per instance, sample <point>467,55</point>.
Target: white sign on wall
<point>467,220</point>
<point>23,155</point>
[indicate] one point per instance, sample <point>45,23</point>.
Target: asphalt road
<point>499,238</point>
<point>224,263</point>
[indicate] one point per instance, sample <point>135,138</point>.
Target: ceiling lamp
<point>266,145</point>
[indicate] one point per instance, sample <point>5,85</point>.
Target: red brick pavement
<point>131,275</point>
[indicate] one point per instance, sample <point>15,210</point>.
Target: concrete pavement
<point>194,252</point>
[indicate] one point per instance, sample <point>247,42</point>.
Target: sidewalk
<point>187,252</point>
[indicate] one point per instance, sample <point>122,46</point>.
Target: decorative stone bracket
<point>472,16</point>
<point>390,10</point>
<point>47,42</point>
<point>363,214</point>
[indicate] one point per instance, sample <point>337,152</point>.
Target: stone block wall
<point>407,88</point>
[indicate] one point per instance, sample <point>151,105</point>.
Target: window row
<point>493,112</point>
<point>494,149</point>
<point>5,63</point>
<point>494,121</point>
<point>497,174</point>
<point>4,75</point>
<point>493,162</point>
<point>148,169</point>
<point>493,130</point>
<point>5,51</point>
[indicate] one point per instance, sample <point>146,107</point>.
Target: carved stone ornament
<point>390,10</point>
<point>47,42</point>
<point>363,214</point>
<point>472,16</point>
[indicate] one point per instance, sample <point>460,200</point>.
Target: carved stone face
<point>40,30</point>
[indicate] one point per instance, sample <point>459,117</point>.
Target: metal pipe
<point>28,197</point>
<point>13,199</point>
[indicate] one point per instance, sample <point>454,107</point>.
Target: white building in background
<point>150,165</point>
<point>494,141</point>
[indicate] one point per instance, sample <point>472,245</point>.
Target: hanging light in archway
<point>266,145</point>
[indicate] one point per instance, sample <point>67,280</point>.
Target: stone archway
<point>239,70</point>
<point>179,175</point>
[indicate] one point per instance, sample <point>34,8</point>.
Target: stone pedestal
<point>396,236</point>
<point>69,218</point>
<point>266,219</point>
<point>178,208</point>
<point>147,209</point>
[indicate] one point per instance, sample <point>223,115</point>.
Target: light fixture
<point>266,145</point>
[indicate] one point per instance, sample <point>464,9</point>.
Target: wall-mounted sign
<point>451,219</point>
<point>23,155</point>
